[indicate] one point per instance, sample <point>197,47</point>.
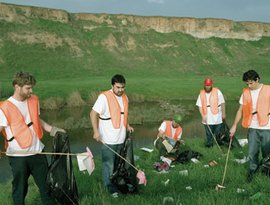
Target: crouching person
<point>23,129</point>
<point>169,137</point>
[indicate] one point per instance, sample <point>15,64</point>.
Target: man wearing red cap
<point>211,105</point>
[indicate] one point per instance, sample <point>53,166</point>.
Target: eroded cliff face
<point>198,28</point>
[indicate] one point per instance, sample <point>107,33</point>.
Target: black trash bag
<point>223,138</point>
<point>60,178</point>
<point>124,175</point>
<point>265,166</point>
<point>187,155</point>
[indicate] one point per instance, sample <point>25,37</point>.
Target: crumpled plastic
<point>142,178</point>
<point>161,166</point>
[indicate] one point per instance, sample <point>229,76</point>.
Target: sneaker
<point>114,195</point>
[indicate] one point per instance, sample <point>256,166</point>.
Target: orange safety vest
<point>213,100</point>
<point>168,130</point>
<point>115,110</point>
<point>20,130</point>
<point>262,106</point>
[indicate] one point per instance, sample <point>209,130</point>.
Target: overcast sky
<point>237,10</point>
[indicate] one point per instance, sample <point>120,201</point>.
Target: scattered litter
<point>167,199</point>
<point>243,142</point>
<point>238,190</point>
<point>183,172</point>
<point>147,149</point>
<point>206,166</point>
<point>212,163</point>
<point>85,161</point>
<point>194,160</point>
<point>166,182</point>
<point>188,188</point>
<point>136,157</point>
<point>172,165</point>
<point>161,166</point>
<point>256,196</point>
<point>219,187</point>
<point>167,160</point>
<point>142,178</point>
<point>242,161</point>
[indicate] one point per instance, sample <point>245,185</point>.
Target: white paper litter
<point>243,142</point>
<point>147,149</point>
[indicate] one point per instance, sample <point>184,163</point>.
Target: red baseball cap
<point>208,82</point>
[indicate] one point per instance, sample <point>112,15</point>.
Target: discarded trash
<point>188,188</point>
<point>183,172</point>
<point>256,196</point>
<point>166,182</point>
<point>212,163</point>
<point>242,161</point>
<point>86,162</point>
<point>194,160</point>
<point>243,142</point>
<point>136,157</point>
<point>142,178</point>
<point>206,166</point>
<point>167,160</point>
<point>147,149</point>
<point>161,166</point>
<point>238,190</point>
<point>167,199</point>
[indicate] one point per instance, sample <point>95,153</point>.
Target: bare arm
<point>204,117</point>
<point>45,126</point>
<point>94,121</point>
<point>236,120</point>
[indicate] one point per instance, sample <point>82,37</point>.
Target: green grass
<point>202,180</point>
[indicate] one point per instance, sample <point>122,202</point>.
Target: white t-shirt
<point>162,129</point>
<point>13,146</point>
<point>211,118</point>
<point>109,134</point>
<point>254,121</point>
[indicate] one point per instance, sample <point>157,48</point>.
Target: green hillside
<point>83,55</point>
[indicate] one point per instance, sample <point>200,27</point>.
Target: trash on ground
<point>212,163</point>
<point>167,160</point>
<point>147,149</point>
<point>242,161</point>
<point>85,161</point>
<point>243,142</point>
<point>161,166</point>
<point>239,190</point>
<point>194,160</point>
<point>168,199</point>
<point>142,178</point>
<point>188,188</point>
<point>183,172</point>
<point>166,182</point>
<point>206,166</point>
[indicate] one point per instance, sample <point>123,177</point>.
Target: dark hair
<point>118,79</point>
<point>23,78</point>
<point>251,75</point>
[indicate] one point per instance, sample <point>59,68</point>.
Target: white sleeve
<point>100,104</point>
<point>199,103</point>
<point>220,97</point>
<point>162,127</point>
<point>3,119</point>
<point>241,100</point>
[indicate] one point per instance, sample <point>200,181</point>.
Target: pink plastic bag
<point>142,178</point>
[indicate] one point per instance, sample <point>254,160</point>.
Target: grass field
<point>202,181</point>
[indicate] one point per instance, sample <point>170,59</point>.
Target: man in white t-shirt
<point>255,109</point>
<point>23,129</point>
<point>211,105</point>
<point>109,118</point>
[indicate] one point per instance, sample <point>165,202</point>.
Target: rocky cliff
<point>198,28</point>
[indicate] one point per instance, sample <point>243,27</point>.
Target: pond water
<point>143,136</point>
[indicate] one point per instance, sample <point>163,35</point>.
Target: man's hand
<point>96,136</point>
<point>130,129</point>
<point>54,130</point>
<point>204,119</point>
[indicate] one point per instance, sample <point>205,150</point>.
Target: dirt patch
<point>75,100</point>
<point>73,44</point>
<point>110,42</point>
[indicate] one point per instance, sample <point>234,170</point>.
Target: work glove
<point>55,130</point>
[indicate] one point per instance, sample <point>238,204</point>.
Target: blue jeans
<point>257,139</point>
<point>108,163</point>
<point>215,129</point>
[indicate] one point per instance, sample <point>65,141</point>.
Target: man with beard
<point>255,109</point>
<point>211,105</point>
<point>109,118</point>
<point>23,129</point>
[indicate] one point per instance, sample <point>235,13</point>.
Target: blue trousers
<point>215,129</point>
<point>257,139</point>
<point>108,163</point>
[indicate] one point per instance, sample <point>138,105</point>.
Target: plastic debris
<point>194,160</point>
<point>243,142</point>
<point>147,149</point>
<point>188,188</point>
<point>239,190</point>
<point>183,172</point>
<point>168,199</point>
<point>206,166</point>
<point>167,160</point>
<point>212,163</point>
<point>242,161</point>
<point>142,178</point>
